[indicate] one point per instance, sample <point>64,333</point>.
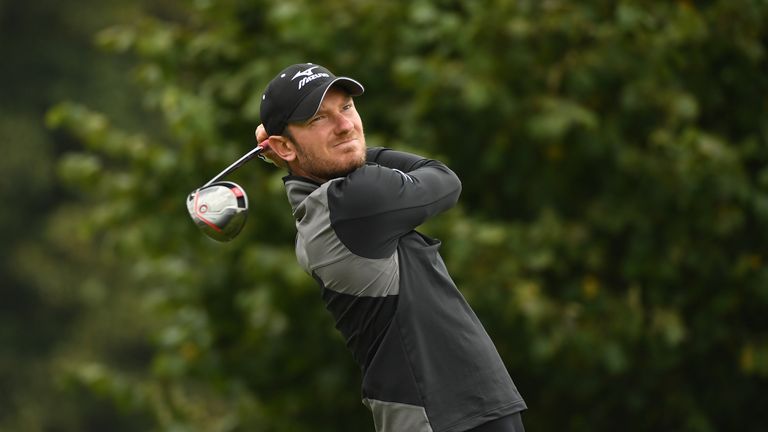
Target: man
<point>428,365</point>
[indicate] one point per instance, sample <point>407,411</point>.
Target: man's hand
<point>262,138</point>
<point>261,134</point>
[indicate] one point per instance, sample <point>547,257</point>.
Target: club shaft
<point>237,164</point>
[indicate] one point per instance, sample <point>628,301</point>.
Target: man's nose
<point>343,124</point>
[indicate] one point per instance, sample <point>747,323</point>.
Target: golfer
<point>427,363</point>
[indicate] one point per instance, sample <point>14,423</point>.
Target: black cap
<point>296,93</point>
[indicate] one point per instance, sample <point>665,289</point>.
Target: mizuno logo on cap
<point>308,76</point>
<point>305,73</point>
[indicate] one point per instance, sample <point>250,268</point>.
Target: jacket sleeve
<point>390,196</point>
<point>402,161</point>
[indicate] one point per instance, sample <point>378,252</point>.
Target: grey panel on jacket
<point>397,417</point>
<point>320,252</point>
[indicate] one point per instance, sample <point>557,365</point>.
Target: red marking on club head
<point>237,191</point>
<point>200,215</point>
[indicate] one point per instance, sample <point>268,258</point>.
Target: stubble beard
<point>325,170</point>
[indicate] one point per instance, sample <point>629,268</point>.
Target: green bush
<point>611,233</point>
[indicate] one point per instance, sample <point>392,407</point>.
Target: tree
<point>48,276</point>
<point>610,235</point>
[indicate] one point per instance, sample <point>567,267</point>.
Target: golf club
<point>220,208</point>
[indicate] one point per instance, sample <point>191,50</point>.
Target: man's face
<point>330,144</point>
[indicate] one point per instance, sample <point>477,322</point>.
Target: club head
<point>219,209</point>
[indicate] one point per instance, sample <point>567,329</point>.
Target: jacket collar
<point>298,189</point>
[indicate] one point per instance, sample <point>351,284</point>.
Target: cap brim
<point>311,104</point>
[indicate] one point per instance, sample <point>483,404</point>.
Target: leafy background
<point>611,234</point>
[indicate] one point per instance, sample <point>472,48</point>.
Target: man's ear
<point>283,147</point>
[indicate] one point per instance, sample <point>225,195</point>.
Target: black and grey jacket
<point>428,365</point>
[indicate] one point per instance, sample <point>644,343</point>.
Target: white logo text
<point>308,76</point>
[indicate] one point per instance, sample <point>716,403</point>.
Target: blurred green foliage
<point>611,233</point>
<point>52,277</point>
